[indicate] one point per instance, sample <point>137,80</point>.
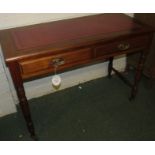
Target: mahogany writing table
<point>33,51</point>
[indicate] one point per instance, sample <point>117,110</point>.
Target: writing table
<point>33,51</point>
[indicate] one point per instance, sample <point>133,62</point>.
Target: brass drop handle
<point>123,46</point>
<point>58,61</point>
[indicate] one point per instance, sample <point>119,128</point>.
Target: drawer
<point>46,64</point>
<point>121,46</point>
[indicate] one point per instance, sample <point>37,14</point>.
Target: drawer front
<point>121,46</point>
<point>62,61</point>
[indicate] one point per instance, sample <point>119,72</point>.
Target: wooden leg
<point>138,74</point>
<point>26,111</point>
<point>18,83</point>
<point>110,65</point>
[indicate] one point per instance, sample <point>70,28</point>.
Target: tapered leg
<point>18,83</point>
<point>26,111</point>
<point>110,65</point>
<point>138,74</point>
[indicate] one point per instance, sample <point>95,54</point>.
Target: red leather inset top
<point>44,34</point>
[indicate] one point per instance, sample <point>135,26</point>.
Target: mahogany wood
<point>32,51</point>
<point>18,83</point>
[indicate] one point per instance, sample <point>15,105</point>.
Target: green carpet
<point>95,110</point>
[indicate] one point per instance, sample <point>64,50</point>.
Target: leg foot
<point>131,98</point>
<point>34,137</point>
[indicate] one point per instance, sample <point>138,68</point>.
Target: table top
<point>30,40</point>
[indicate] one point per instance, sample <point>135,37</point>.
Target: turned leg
<point>18,83</point>
<point>26,110</point>
<point>110,65</point>
<point>138,74</point>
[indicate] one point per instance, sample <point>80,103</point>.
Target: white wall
<point>43,86</point>
<point>9,20</point>
<point>7,105</point>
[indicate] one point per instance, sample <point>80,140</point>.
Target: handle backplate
<point>123,46</point>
